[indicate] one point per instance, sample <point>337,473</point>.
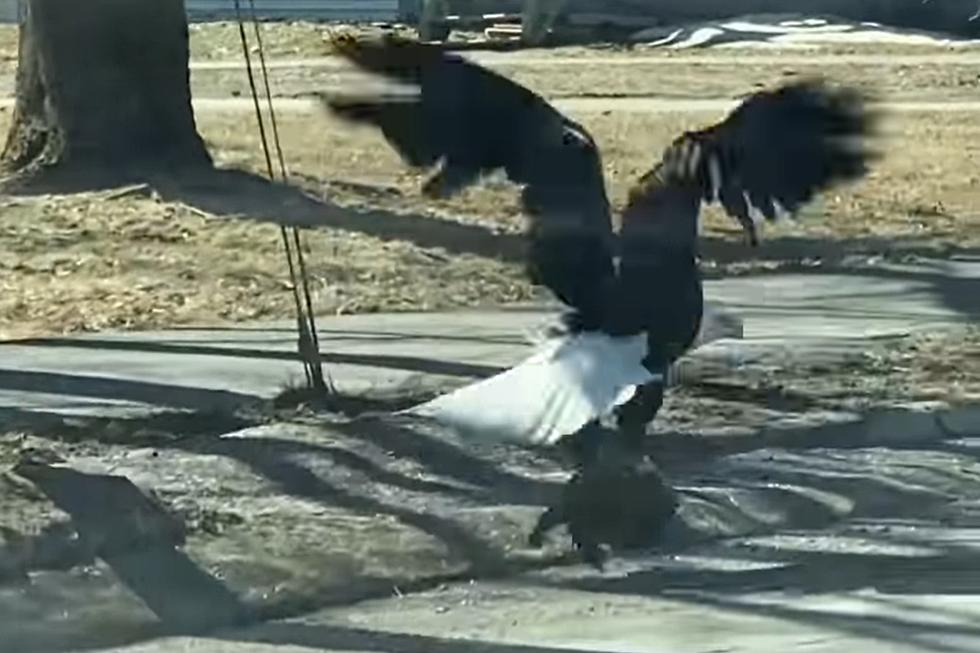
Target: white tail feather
<point>566,384</point>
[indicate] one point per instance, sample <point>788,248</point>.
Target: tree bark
<point>103,85</point>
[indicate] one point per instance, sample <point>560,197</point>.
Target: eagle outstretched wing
<point>771,155</point>
<point>467,121</point>
<point>460,114</point>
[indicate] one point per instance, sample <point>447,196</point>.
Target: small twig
<point>198,212</point>
<point>128,191</point>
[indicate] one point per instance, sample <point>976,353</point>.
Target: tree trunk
<point>103,85</point>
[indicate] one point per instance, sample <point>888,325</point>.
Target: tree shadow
<point>141,543</point>
<point>950,569</point>
<point>233,192</point>
<point>800,253</point>
<point>949,282</point>
<point>341,638</point>
<point>354,474</point>
<point>160,429</point>
<point>778,590</point>
<point>272,460</point>
<point>958,290</point>
<point>373,441</point>
<point>186,600</point>
<point>114,391</point>
<point>899,540</point>
<point>780,399</point>
<point>448,459</point>
<point>366,449</point>
<point>227,192</point>
<point>472,479</point>
<point>387,361</point>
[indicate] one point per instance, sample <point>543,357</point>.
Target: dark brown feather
<point>776,150</point>
<point>467,121</point>
<point>773,153</point>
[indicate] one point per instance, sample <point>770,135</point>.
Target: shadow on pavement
<point>339,638</point>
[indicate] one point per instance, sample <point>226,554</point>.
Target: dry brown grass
<point>84,262</point>
<point>924,187</point>
<point>81,262</point>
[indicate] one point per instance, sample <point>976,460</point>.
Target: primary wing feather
<point>474,119</point>
<point>772,154</point>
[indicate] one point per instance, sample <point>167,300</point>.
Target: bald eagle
<point>634,298</point>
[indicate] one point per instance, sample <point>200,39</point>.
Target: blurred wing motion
<point>775,151</point>
<point>766,159</point>
<point>464,122</point>
<point>769,157</point>
<point>565,385</point>
<point>467,119</point>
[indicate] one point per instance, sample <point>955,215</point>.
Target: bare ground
<point>85,262</point>
<point>298,513</point>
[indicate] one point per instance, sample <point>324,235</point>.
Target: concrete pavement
<point>514,619</point>
<point>785,316</point>
<point>898,574</point>
<point>844,540</point>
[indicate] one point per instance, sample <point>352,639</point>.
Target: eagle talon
<point>594,555</point>
<point>549,519</point>
<point>535,540</point>
<point>592,552</point>
<point>432,188</point>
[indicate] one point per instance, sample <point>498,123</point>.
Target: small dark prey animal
<point>613,502</point>
<point>634,298</point>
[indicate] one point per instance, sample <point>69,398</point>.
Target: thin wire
<point>318,374</point>
<point>307,366</point>
<point>323,380</point>
<point>268,92</point>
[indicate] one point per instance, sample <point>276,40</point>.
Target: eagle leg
<point>549,520</point>
<point>633,417</point>
<point>448,179</point>
<point>592,552</point>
